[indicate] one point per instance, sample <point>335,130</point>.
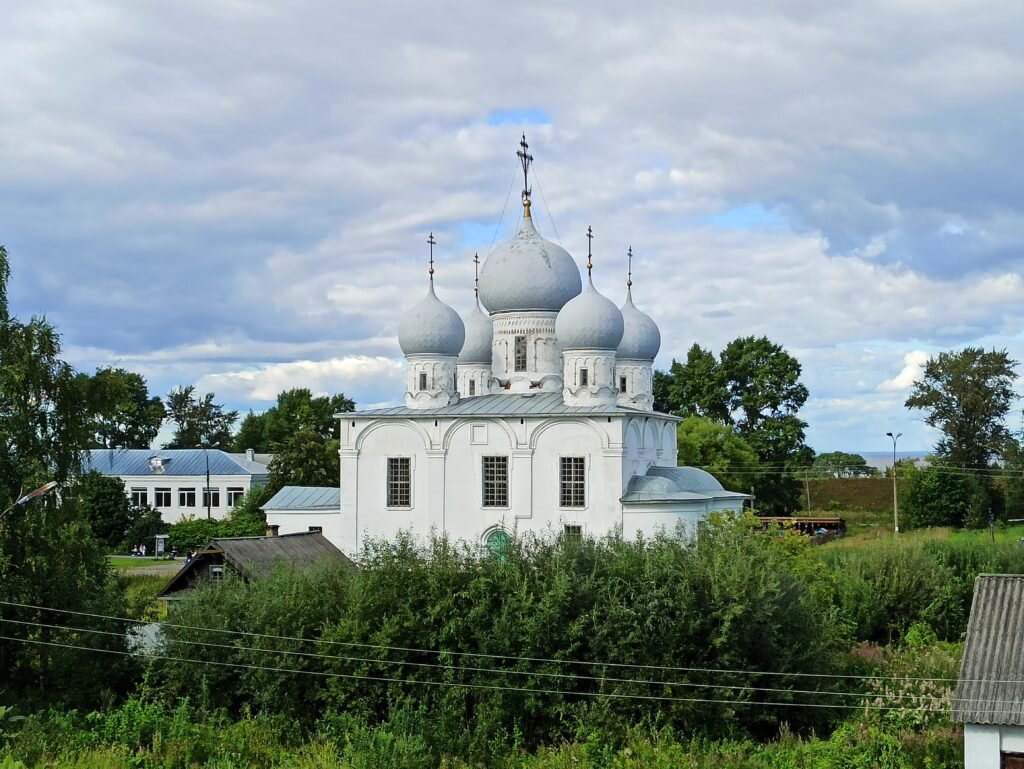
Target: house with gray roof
<point>252,558</point>
<point>296,509</point>
<point>183,483</point>
<point>989,699</point>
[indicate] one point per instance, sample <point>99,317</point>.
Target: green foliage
<point>739,601</point>
<point>101,501</point>
<point>199,422</point>
<point>296,410</point>
<point>754,387</point>
<point>840,464</point>
<point>305,459</point>
<point>122,413</point>
<point>719,450</point>
<point>937,496</point>
<point>967,395</point>
<point>245,520</point>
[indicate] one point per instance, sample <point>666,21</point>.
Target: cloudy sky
<point>238,194</point>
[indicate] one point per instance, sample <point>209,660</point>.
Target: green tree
<point>840,464</point>
<point>937,496</point>
<point>48,556</point>
<point>122,413</point>
<point>199,422</point>
<point>296,410</point>
<point>305,459</point>
<point>697,387</point>
<point>102,502</point>
<point>718,449</point>
<point>967,395</point>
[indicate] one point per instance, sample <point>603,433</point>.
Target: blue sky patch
<point>746,217</point>
<point>519,116</point>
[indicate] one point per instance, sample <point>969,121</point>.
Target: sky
<point>237,195</point>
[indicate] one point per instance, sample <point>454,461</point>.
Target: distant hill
<point>883,459</point>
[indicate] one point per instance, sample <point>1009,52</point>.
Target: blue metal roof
<point>537,404</point>
<point>305,498</point>
<point>174,462</point>
<point>677,484</point>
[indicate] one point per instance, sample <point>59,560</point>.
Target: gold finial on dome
<point>432,243</point>
<point>629,273</point>
<point>525,158</point>
<point>476,275</point>
<point>590,256</point>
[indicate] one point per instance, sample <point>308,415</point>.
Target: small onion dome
<point>641,339</point>
<point>590,321</point>
<point>479,337</point>
<point>528,273</point>
<point>431,328</point>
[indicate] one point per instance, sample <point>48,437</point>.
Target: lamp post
<point>30,496</point>
<point>895,499</point>
<point>206,491</point>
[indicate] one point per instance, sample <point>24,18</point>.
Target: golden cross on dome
<point>629,274</point>
<point>476,274</point>
<point>432,243</point>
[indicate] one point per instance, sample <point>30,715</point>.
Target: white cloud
<point>913,366</point>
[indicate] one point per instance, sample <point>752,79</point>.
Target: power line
<point>468,669</point>
<point>492,687</point>
<point>483,655</point>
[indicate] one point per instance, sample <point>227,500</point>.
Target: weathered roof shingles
<point>991,685</point>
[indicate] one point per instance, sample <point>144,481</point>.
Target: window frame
<point>390,484</point>
<point>184,495</point>
<point>234,495</point>
<point>213,492</point>
<point>423,381</point>
<point>472,387</point>
<point>158,493</point>
<point>622,384</point>
<point>520,354</point>
<point>584,377</point>
<point>567,486</point>
<point>494,492</point>
<point>139,496</point>
<point>572,531</point>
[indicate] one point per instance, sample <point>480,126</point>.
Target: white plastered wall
<point>983,744</point>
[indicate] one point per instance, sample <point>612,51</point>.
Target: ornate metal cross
<point>432,243</point>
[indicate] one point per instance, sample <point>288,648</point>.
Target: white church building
<point>533,414</point>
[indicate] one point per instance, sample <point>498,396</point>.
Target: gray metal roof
<point>991,685</point>
<point>176,462</point>
<point>305,498</point>
<point>537,404</point>
<point>677,484</point>
<point>257,556</point>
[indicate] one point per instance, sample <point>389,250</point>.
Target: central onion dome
<point>528,273</point>
<point>431,328</point>
<point>590,321</point>
<point>479,337</point>
<point>641,338</point>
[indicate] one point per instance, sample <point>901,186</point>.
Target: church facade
<point>534,413</point>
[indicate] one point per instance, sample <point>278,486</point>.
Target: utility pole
<point>895,496</point>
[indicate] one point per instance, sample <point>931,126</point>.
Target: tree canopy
<point>840,464</point>
<point>296,410</point>
<point>966,395</point>
<point>754,388</point>
<point>720,450</point>
<point>199,422</point>
<point>122,413</point>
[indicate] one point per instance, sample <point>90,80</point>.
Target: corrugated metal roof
<point>305,498</point>
<point>676,484</point>
<point>257,556</point>
<point>991,685</point>
<point>174,462</point>
<point>540,404</point>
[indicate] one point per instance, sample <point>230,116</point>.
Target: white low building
<point>989,698</point>
<point>534,416</point>
<point>183,483</point>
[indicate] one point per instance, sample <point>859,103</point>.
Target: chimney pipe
<point>250,454</point>
<point>272,529</point>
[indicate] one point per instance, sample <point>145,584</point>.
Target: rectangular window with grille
<point>584,378</point>
<point>140,497</point>
<point>495,481</point>
<point>399,482</point>
<point>162,497</point>
<point>423,380</point>
<point>520,353</point>
<point>573,531</point>
<point>573,482</point>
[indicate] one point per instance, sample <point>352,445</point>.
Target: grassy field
<point>127,562</point>
<point>859,533</point>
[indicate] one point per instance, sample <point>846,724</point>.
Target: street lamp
<point>206,491</point>
<point>895,502</point>
<point>30,496</point>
